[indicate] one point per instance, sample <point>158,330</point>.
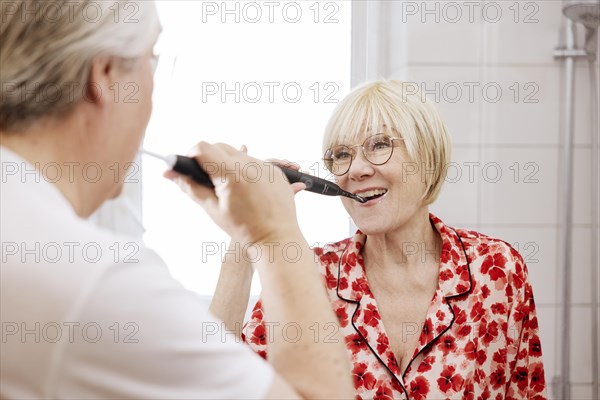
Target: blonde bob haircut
<point>400,110</point>
<point>47,48</point>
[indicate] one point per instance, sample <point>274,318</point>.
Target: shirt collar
<point>454,276</point>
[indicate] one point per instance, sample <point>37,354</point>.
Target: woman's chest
<point>403,318</point>
<point>447,351</point>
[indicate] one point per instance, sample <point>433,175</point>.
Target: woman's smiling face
<point>401,187</point>
<point>395,189</point>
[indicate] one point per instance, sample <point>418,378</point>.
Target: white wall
<point>447,46</point>
<point>211,53</point>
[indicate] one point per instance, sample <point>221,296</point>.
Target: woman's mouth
<point>371,194</point>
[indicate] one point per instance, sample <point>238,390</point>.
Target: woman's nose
<point>360,167</point>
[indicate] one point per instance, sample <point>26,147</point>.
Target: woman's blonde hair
<point>399,109</point>
<point>46,50</point>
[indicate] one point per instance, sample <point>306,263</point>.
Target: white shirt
<point>88,314</point>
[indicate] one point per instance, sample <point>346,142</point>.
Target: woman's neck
<point>411,246</point>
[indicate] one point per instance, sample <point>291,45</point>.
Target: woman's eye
<point>380,146</point>
<point>341,155</point>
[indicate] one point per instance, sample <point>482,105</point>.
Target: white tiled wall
<point>458,202</point>
<point>518,133</point>
<point>461,112</point>
<point>530,93</point>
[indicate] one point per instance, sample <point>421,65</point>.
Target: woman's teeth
<point>372,194</point>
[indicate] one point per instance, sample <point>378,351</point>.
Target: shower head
<point>586,12</point>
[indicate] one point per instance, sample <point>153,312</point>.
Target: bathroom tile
<point>582,392</point>
<point>457,204</point>
<point>582,180</point>
<point>521,105</point>
<point>548,336</point>
<point>582,106</point>
<point>441,32</point>
<point>518,185</point>
<point>581,266</point>
<point>449,88</point>
<point>549,320</point>
<point>581,357</point>
<point>521,32</point>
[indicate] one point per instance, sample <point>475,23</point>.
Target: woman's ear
<point>101,77</point>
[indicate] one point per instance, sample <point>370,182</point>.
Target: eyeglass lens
<point>377,149</point>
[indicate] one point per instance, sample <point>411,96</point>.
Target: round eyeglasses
<point>377,150</point>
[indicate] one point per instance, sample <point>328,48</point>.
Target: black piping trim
<point>357,303</point>
<point>449,305</point>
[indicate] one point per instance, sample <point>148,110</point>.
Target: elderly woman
<point>427,311</point>
<point>86,313</point>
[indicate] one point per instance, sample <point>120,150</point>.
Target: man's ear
<point>101,77</point>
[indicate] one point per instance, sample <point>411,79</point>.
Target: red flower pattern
<point>382,342</point>
<point>342,315</point>
<point>447,344</point>
<point>450,380</point>
<point>371,315</point>
<point>419,388</point>
<point>384,392</point>
<point>480,337</point>
<point>259,335</point>
<point>355,343</point>
<point>362,377</point>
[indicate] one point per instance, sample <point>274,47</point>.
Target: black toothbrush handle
<point>189,166</point>
<point>313,184</point>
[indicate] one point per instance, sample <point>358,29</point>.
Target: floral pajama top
<point>480,337</point>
